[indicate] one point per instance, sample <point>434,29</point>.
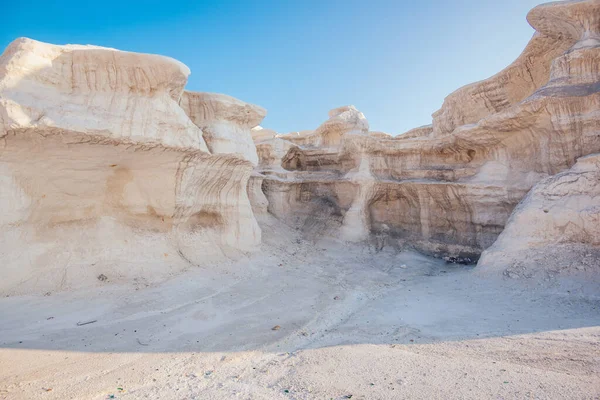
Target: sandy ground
<point>352,323</point>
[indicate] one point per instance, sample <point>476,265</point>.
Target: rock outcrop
<point>449,188</point>
<point>109,168</point>
<point>96,91</point>
<point>103,173</point>
<point>225,121</point>
<point>259,134</point>
<point>555,229</point>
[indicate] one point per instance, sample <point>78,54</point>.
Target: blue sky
<point>395,60</point>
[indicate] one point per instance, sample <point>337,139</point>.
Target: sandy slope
<point>352,322</point>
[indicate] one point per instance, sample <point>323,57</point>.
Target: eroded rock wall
<point>449,188</point>
<point>109,168</point>
<point>554,230</point>
<point>103,174</point>
<point>226,122</point>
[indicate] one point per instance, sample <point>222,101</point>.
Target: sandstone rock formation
<point>109,168</point>
<point>555,229</point>
<point>259,133</point>
<point>449,188</point>
<point>103,173</point>
<point>225,121</point>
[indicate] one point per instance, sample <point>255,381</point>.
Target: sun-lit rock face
<point>563,51</point>
<point>346,120</point>
<point>259,133</point>
<point>380,135</point>
<point>573,20</point>
<point>449,188</point>
<point>420,132</point>
<point>97,91</point>
<point>504,90</point>
<point>342,121</point>
<point>108,167</point>
<point>555,229</point>
<point>101,172</point>
<point>225,121</point>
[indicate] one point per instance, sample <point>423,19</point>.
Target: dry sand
<point>353,323</point>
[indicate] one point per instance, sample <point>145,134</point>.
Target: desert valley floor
<point>349,322</point>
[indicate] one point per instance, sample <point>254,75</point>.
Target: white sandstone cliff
<point>225,121</point>
<point>102,173</point>
<point>554,230</point>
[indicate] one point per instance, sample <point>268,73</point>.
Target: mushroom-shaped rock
<point>259,134</point>
<point>98,91</point>
<point>225,121</point>
<point>101,172</point>
<point>342,121</point>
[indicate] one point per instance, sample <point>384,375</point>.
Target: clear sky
<point>394,60</point>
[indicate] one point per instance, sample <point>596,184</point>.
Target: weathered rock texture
<point>225,121</point>
<point>449,188</point>
<point>555,229</point>
<point>102,172</point>
<point>107,166</point>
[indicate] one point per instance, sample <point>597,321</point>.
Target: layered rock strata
<point>555,229</point>
<point>449,188</point>
<point>103,173</point>
<point>226,122</point>
<point>109,168</point>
